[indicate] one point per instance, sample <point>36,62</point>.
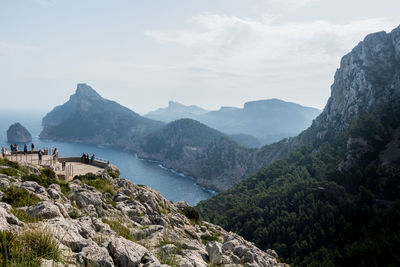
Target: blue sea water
<point>171,185</point>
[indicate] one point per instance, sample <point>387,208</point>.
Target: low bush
<point>207,238</point>
<point>41,180</point>
<point>19,197</point>
<point>9,163</point>
<point>46,178</point>
<point>97,182</point>
<point>113,174</point>
<point>9,171</point>
<point>191,213</point>
<point>120,229</point>
<point>88,176</point>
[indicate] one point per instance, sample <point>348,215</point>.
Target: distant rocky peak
<point>174,104</point>
<point>85,91</point>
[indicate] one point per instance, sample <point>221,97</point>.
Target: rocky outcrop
<point>129,225</point>
<point>17,133</point>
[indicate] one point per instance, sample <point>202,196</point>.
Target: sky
<point>209,53</point>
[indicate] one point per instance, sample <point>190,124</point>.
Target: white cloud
<point>247,46</point>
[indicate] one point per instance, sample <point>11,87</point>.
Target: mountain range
<point>267,120</point>
<point>217,160</point>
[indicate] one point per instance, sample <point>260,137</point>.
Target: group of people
<point>86,159</point>
<point>14,148</point>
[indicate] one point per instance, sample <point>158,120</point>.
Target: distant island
<point>17,133</point>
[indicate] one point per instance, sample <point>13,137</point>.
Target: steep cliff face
<point>368,76</point>
<point>89,118</point>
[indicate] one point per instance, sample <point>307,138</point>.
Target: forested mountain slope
<point>335,200</point>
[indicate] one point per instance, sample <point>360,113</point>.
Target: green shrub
<point>112,174</point>
<point>9,163</point>
<point>88,176</point>
<point>47,178</point>
<point>74,214</point>
<point>41,180</point>
<point>48,173</point>
<point>9,172</point>
<point>191,213</point>
<point>19,197</point>
<point>205,238</point>
<point>65,189</point>
<point>120,229</point>
<point>97,182</point>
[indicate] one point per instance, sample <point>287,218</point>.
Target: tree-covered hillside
<point>331,203</point>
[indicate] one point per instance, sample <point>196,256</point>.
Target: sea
<point>172,185</point>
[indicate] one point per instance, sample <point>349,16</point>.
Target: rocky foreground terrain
<point>97,220</point>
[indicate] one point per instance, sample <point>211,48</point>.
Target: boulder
<point>44,210</point>
<point>95,256</point>
<point>7,219</point>
<point>18,134</point>
<point>35,188</point>
<point>128,253</point>
<point>68,232</point>
<point>214,251</point>
<point>85,196</point>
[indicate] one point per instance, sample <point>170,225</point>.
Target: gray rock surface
<point>136,226</point>
<point>128,253</point>
<point>45,210</point>
<point>7,219</point>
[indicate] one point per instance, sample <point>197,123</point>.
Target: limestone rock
<point>95,256</point>
<point>45,210</point>
<point>7,219</point>
<point>85,196</point>
<point>35,188</point>
<point>214,250</point>
<point>18,134</point>
<point>128,253</point>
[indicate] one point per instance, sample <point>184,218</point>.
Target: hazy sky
<point>210,53</point>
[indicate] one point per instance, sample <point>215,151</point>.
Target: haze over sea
<point>173,186</point>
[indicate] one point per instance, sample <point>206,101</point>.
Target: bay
<point>171,185</point>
